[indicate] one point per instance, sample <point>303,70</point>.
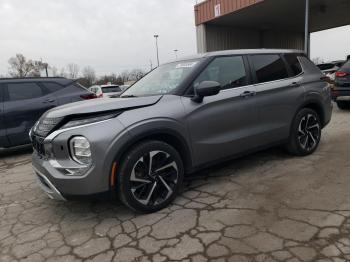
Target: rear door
<point>24,104</point>
<point>278,93</point>
<point>3,125</point>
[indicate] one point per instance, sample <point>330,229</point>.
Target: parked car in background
<point>24,100</point>
<point>181,117</point>
<point>341,91</point>
<point>330,68</point>
<point>106,91</point>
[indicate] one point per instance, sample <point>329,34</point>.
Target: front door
<point>25,104</point>
<point>225,124</point>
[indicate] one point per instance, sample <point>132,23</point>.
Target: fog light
<point>80,150</point>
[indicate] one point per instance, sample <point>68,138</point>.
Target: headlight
<point>89,120</point>
<point>80,150</point>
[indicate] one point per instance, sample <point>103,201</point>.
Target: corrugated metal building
<point>234,24</point>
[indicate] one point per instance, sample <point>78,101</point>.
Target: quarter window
<point>52,87</point>
<point>294,64</point>
<point>228,71</point>
<point>269,68</point>
<point>24,91</point>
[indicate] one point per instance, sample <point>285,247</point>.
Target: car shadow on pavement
<point>231,168</point>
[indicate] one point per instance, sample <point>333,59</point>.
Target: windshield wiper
<point>128,96</point>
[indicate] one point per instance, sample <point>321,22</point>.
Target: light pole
<point>156,37</point>
<point>307,31</point>
<point>175,51</point>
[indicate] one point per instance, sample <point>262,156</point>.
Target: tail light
<point>340,74</point>
<point>88,96</point>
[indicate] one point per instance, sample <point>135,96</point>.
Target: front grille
<point>46,126</point>
<point>38,145</point>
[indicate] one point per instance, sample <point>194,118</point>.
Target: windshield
<point>111,89</point>
<point>162,80</point>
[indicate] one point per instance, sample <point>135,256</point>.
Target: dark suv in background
<point>179,118</point>
<point>341,91</point>
<point>23,101</point>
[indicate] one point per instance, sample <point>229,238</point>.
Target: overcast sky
<point>114,35</point>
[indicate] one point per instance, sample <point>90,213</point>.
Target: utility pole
<point>156,37</point>
<point>307,31</point>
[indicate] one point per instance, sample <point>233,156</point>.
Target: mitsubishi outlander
<point>181,117</point>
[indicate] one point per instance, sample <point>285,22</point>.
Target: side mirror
<point>206,88</point>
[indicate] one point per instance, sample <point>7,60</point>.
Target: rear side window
<point>269,68</point>
<point>24,91</point>
<point>53,87</point>
<point>294,64</point>
<point>228,71</point>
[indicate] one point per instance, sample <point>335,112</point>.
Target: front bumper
<point>46,185</point>
<point>53,171</point>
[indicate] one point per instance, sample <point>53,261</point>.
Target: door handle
<point>294,84</point>
<point>49,101</point>
<point>248,94</point>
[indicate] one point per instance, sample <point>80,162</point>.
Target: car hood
<point>101,105</point>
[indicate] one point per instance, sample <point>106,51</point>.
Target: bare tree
<point>54,71</point>
<point>125,76</point>
<point>136,74</point>
<point>20,66</point>
<point>62,72</point>
<point>89,76</point>
<point>73,70</point>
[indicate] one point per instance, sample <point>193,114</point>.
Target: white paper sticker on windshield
<point>186,65</point>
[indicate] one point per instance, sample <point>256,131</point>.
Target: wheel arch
<point>166,135</point>
<point>317,107</point>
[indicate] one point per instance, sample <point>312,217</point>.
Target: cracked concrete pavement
<point>265,207</point>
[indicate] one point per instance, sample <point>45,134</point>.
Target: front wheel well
<point>173,140</point>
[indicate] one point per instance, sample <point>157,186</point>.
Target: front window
<point>162,80</point>
<point>228,71</point>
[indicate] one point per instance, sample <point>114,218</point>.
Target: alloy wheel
<point>309,132</point>
<point>154,178</point>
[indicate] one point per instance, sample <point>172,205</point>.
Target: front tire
<point>343,105</point>
<point>305,133</point>
<point>150,176</point>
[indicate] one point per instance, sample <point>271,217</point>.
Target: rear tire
<point>150,176</point>
<point>305,133</point>
<point>343,105</point>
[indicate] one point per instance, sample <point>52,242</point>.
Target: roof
<point>240,52</point>
<point>60,80</point>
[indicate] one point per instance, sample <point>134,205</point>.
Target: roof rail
<point>25,78</point>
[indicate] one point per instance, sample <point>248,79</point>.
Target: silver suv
<point>181,117</point>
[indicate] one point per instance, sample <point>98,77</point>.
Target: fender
<point>157,128</point>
